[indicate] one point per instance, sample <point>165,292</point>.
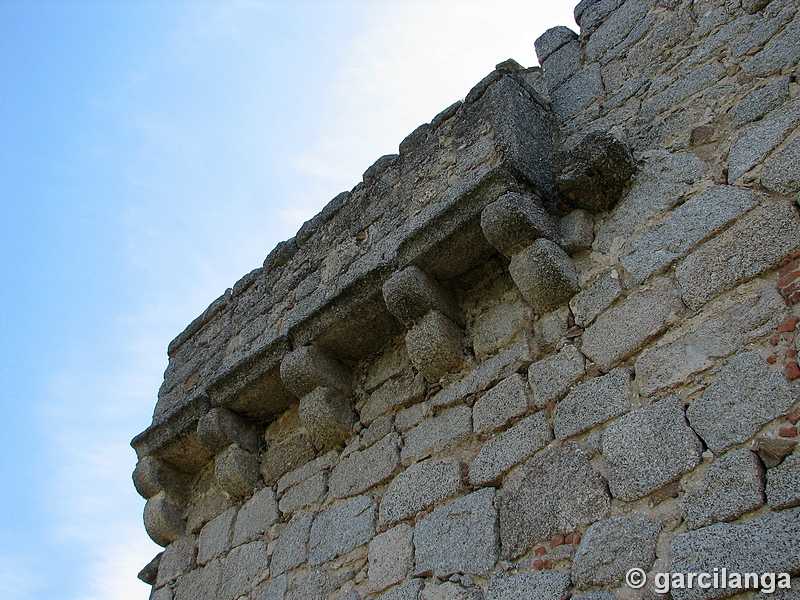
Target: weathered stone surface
<point>695,219</point>
<point>391,557</point>
<point>411,294</point>
<point>164,593</point>
<point>412,416</point>
<point>757,140</point>
<point>551,40</point>
<point>328,416</point>
<point>551,377</point>
<point>549,585</point>
<point>215,537</point>
<point>314,585</point>
<point>308,368</point>
<point>237,471</point>
<point>449,591</point>
<point>408,590</point>
<point>682,88</point>
<point>578,92</point>
<point>162,520</point>
<point>593,402</point>
<point>306,492</point>
<point>611,547</point>
<point>433,435</point>
<point>649,448</point>
<point>276,589</point>
<point>782,52</point>
<point>365,469</point>
<point>509,448</point>
<point>300,474</point>
<point>594,173</point>
<point>498,406</point>
<point>208,505</point>
<point>783,490</point>
<point>434,346</point>
<point>420,486</point>
<point>732,486</point>
<point>544,274</point>
<point>754,244</point>
<point>595,297</point>
<point>341,528</point>
<point>399,391</point>
<point>781,173</point>
<point>760,103</point>
<point>753,6</point>
<point>745,396</point>
<point>220,427</point>
<point>772,450</point>
<point>577,231</point>
<point>626,327</point>
<point>719,334</point>
<point>291,548</point>
<point>461,537</point>
<point>500,326</point>
<point>553,492</point>
<point>391,364</point>
<point>616,26</point>
<point>255,516</point>
<point>767,544</point>
<point>377,430</point>
<point>200,584</point>
<point>665,178</point>
<point>152,476</point>
<point>562,64</point>
<point>178,558</point>
<point>244,567</point>
<point>286,455</point>
<point>515,221</point>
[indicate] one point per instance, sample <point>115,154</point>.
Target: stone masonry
<point>551,339</point>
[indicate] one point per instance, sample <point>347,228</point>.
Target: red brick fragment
<point>789,324</point>
<point>577,539</point>
<point>540,551</point>
<point>786,268</point>
<point>784,262</point>
<point>771,359</point>
<point>791,353</point>
<point>787,432</point>
<point>538,564</point>
<point>546,564</point>
<point>796,254</point>
<point>785,280</point>
<point>794,416</point>
<point>774,339</point>
<point>792,370</point>
<point>556,541</point>
<point>570,538</point>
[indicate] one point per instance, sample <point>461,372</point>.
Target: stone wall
<point>552,339</point>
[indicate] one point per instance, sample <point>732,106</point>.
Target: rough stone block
<point>714,335</point>
<point>461,537</point>
<point>412,416</point>
<point>178,559</point>
<point>208,505</point>
<point>551,377</point>
<point>732,486</point>
<point>237,471</point>
<point>434,435</point>
<point>697,218</point>
<point>308,368</point>
<point>783,485</point>
<point>498,406</point>
<point>509,448</point>
<point>200,584</point>
<point>593,402</point>
<point>781,172</point>
<point>595,172</point>
<point>163,520</point>
<point>220,427</point>
<point>420,486</point>
<point>745,396</point>
<point>549,585</point>
<point>313,585</point>
<point>152,476</point>
<point>551,40</point>
<point>626,327</point>
<point>244,567</point>
<point>767,544</point>
<point>680,89</point>
<point>754,244</point>
<point>760,103</point>
<point>578,92</point>
<point>756,140</point>
<point>306,492</point>
<point>342,528</point>
<point>391,557</point>
<point>291,549</point>
<point>617,23</point>
<point>611,547</point>
<point>649,448</point>
<point>328,416</point>
<point>255,516</point>
<point>500,326</point>
<point>449,591</point>
<point>216,536</point>
<point>595,297</point>
<point>553,492</point>
<point>391,364</point>
<point>286,455</point>
<point>164,593</point>
<point>544,274</point>
<point>408,590</point>
<point>434,346</point>
<point>782,52</point>
<point>577,231</point>
<point>562,64</point>
<point>365,469</point>
<point>411,294</point>
<point>300,474</point>
<point>515,221</point>
<point>377,430</point>
<point>665,178</point>
<point>276,589</point>
<point>405,390</point>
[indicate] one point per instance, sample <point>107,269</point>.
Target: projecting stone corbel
<point>163,519</point>
<point>152,476</point>
<point>220,427</point>
<point>323,385</point>
<point>434,320</point>
<point>237,471</point>
<point>519,227</point>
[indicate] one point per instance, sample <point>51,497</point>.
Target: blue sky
<point>152,153</point>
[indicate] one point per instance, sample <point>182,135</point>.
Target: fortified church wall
<point>551,339</point>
